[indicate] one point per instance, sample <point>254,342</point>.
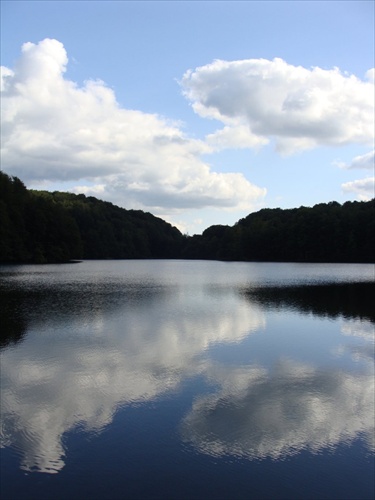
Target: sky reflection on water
<point>88,347</point>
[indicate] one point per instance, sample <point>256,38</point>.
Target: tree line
<point>42,227</point>
<point>327,232</point>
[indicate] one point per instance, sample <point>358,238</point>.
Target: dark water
<point>183,379</point>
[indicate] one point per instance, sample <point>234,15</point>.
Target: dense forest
<point>41,227</point>
<point>327,232</point>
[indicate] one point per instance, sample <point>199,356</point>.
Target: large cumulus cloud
<point>56,130</point>
<point>299,108</point>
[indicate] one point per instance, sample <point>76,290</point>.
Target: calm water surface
<point>187,379</point>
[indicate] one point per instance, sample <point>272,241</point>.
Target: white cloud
<point>235,137</point>
<point>197,187</point>
<point>366,161</point>
<point>55,130</point>
<point>370,75</point>
<point>364,189</point>
<point>5,74</point>
<point>301,108</point>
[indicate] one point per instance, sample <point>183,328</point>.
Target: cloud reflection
<point>85,355</point>
<point>256,414</point>
<point>359,328</point>
<point>106,358</point>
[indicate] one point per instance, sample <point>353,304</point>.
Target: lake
<point>172,379</point>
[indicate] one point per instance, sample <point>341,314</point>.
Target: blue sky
<point>198,112</point>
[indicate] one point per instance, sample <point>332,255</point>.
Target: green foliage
<point>39,226</point>
<point>33,228</point>
<point>327,232</point>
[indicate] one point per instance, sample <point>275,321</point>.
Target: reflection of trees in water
<point>23,306</point>
<point>349,300</point>
<point>13,322</point>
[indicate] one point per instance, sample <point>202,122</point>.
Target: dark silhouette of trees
<point>327,232</point>
<point>32,228</point>
<point>40,226</point>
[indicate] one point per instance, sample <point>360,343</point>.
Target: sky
<point>199,112</point>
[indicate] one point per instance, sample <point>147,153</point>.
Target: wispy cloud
<point>364,189</point>
<point>366,161</point>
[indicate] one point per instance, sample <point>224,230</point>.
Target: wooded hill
<point>327,232</point>
<point>41,227</point>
